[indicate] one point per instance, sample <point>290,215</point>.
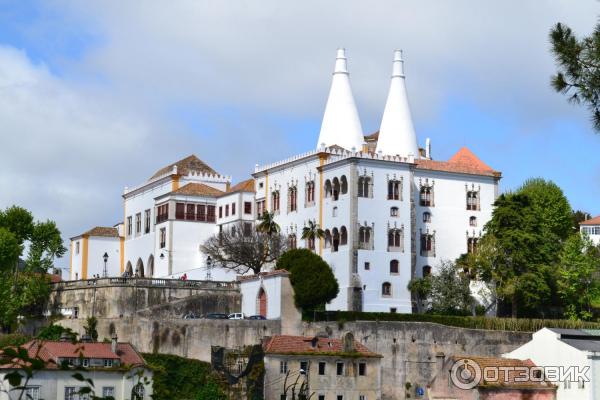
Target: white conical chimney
<point>341,125</point>
<point>397,134</point>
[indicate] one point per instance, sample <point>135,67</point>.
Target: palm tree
<point>267,224</point>
<point>312,232</point>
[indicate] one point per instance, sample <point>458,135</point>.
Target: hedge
<point>497,324</point>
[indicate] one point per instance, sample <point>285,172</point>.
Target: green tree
<point>46,245</point>
<point>578,62</point>
<point>312,279</point>
<point>267,224</point>
<point>10,250</point>
<point>91,328</point>
<point>312,232</point>
<point>576,284</point>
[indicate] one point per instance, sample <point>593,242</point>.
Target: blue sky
<point>95,96</point>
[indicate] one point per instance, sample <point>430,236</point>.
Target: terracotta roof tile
<point>198,189</point>
<point>103,231</point>
<point>51,351</point>
<point>244,186</point>
<point>185,166</point>
<point>591,221</point>
<point>285,344</point>
<point>464,161</point>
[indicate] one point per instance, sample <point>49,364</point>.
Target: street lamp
<point>105,257</point>
<point>208,268</point>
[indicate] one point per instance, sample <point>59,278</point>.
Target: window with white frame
<point>394,190</point>
<point>32,393</point>
<point>386,289</point>
<point>147,221</point>
<point>283,367</point>
<point>108,391</point>
<point>394,212</point>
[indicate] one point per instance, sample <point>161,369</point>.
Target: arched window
<point>426,196</point>
<point>275,201</point>
<point>427,245</point>
<point>395,239</point>
<point>363,186</point>
<point>292,241</point>
<point>472,221</point>
<point>394,267</point>
<point>344,184</point>
<point>129,269</point>
<point>394,212</point>
<point>426,216</point>
<point>343,236</point>
<point>472,200</point>
<point>261,302</point>
<point>386,289</point>
<point>336,189</point>
<point>364,238</point>
<point>150,266</point>
<point>292,198</point>
<point>310,193</point>
<point>472,245</point>
<point>327,238</point>
<point>138,391</point>
<point>334,212</point>
<point>394,189</point>
<point>335,239</point>
<point>327,188</point>
<point>426,271</point>
<point>139,268</point>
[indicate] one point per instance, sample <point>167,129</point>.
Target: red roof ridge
<point>591,221</point>
<point>198,189</point>
<point>466,157</point>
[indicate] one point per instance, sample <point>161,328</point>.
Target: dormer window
<point>108,363</point>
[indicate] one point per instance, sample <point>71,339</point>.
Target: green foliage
<point>19,221</point>
<point>55,332</point>
<point>267,224</point>
<point>22,294</point>
<point>578,62</point>
<point>312,279</point>
<point>577,287</point>
<point>91,325</point>
<point>10,250</point>
<point>450,292</point>
<point>578,217</point>
<point>520,250</point>
<point>182,378</point>
<point>498,324</point>
<point>46,245</point>
<point>13,339</point>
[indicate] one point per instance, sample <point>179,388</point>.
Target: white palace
<point>389,210</point>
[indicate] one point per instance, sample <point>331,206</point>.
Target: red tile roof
<point>591,221</point>
<point>198,189</point>
<point>103,231</point>
<point>51,351</point>
<point>244,186</point>
<point>464,161</point>
<point>185,166</point>
<point>285,344</point>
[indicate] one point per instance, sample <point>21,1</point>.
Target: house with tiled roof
<point>96,252</point>
<point>489,378</point>
<point>591,227</point>
<point>321,368</point>
<point>115,369</point>
<point>576,355</point>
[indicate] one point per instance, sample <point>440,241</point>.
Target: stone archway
<point>261,302</point>
<point>139,268</point>
<point>150,266</point>
<point>129,269</point>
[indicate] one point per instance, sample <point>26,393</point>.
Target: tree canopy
<point>578,62</point>
<point>312,279</point>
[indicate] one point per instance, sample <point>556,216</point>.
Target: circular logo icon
<point>465,373</point>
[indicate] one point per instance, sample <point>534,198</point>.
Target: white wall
<point>250,290</point>
<point>97,246</point>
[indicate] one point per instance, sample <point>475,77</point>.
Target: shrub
<point>311,277</point>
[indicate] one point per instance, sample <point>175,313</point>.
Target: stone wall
<point>126,297</point>
<point>409,349</point>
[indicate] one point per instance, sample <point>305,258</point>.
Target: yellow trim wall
<point>84,258</point>
<point>175,183</point>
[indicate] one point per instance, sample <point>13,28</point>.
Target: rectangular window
<point>138,223</point>
<point>304,366</point>
<point>362,369</point>
<point>362,397</point>
<point>340,368</point>
<point>70,393</point>
<point>201,212</point>
<point>367,265</point>
<point>129,226</point>
<point>283,367</point>
<point>162,213</point>
<point>179,210</point>
<point>86,362</point>
<point>190,212</point>
<point>32,393</point>
<point>275,201</point>
<point>247,207</point>
<point>76,247</point>
<point>232,208</point>
<point>108,391</point>
<point>147,221</point>
<point>283,397</point>
<point>227,210</point>
<point>321,397</point>
<point>321,368</point>
<point>340,397</point>
<point>210,214</point>
<point>108,362</point>
<point>220,211</point>
<point>260,208</point>
<point>163,238</point>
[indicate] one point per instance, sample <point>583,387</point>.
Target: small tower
<point>397,134</point>
<point>341,124</point>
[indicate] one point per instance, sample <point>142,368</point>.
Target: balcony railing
<point>145,282</point>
